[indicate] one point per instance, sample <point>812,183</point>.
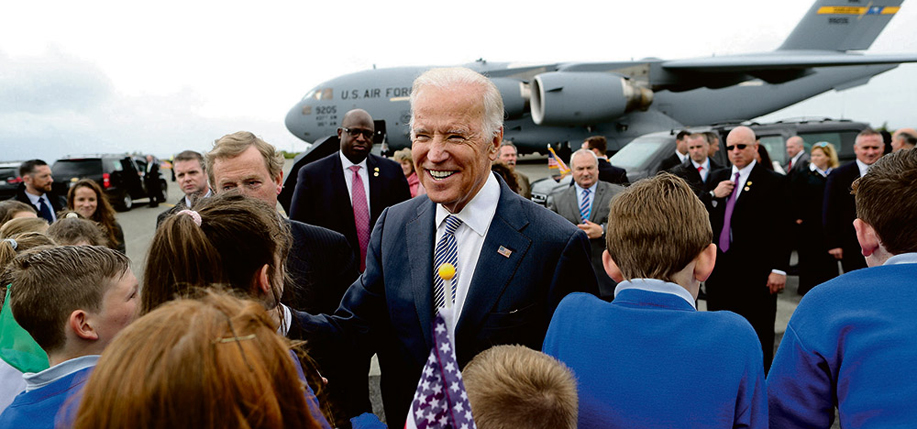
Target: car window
<point>842,141</point>
<point>77,167</point>
<point>638,153</point>
<point>116,165</point>
<point>776,148</point>
<point>8,173</point>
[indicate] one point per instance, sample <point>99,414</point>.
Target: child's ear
<point>866,236</point>
<point>79,324</point>
<point>611,268</point>
<point>704,262</point>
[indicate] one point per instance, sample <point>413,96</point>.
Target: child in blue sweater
<point>649,359</point>
<point>72,300</point>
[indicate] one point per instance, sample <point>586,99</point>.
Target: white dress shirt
<point>476,217</point>
<point>348,179</point>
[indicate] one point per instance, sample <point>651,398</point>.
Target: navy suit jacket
<point>611,174</point>
<point>321,196</point>
<point>840,209</point>
<point>389,310</point>
<point>688,172</point>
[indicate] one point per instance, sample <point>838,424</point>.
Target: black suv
<point>121,176</point>
<point>9,179</point>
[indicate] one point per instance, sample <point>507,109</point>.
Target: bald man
<point>796,152</point>
<point>904,138</point>
<point>748,219</point>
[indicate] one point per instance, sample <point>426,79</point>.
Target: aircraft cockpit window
<point>320,94</point>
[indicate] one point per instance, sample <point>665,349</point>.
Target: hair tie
<point>71,215</point>
<point>194,215</point>
<point>12,242</point>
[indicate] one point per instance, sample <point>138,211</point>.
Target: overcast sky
<point>160,77</point>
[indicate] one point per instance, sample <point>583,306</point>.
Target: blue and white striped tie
<point>446,251</point>
<point>585,206</point>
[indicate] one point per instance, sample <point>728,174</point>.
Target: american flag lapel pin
<point>504,251</point>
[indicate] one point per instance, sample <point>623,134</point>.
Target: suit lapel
<point>375,188</point>
<point>494,271</point>
<point>571,208</point>
<point>597,202</point>
<point>748,188</point>
<point>421,234</point>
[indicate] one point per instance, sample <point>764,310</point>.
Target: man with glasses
<point>348,190</point>
<point>748,219</point>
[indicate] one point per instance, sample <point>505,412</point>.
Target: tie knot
<point>586,192</point>
<point>700,167</point>
<point>354,168</point>
<point>452,223</point>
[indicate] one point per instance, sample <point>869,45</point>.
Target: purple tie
<point>360,213</point>
<point>727,218</point>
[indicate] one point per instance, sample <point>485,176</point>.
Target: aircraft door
<point>380,131</point>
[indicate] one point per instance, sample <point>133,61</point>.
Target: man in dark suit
<point>188,167</point>
<point>607,172</point>
<point>586,205</point>
<point>36,190</point>
<point>747,217</point>
<point>514,260</point>
<point>326,195</point>
<point>320,265</point>
<point>152,183</point>
<point>696,171</point>
<point>799,159</point>
<point>840,206</point>
<point>681,152</point>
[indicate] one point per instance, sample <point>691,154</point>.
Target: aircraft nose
<point>295,121</point>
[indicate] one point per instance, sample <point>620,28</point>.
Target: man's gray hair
<point>456,76</point>
<point>579,151</point>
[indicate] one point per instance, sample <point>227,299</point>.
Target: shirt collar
<point>706,164</point>
<point>284,327</point>
<point>347,163</point>
<point>659,286</point>
<point>36,198</point>
<point>795,159</point>
<point>579,189</point>
<point>207,195</point>
<point>478,213</point>
<point>812,167</point>
<point>863,167</point>
<point>745,171</point>
<point>37,380</point>
<point>904,258</point>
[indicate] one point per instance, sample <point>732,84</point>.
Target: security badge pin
<point>747,185</point>
<point>504,251</point>
<point>376,172</point>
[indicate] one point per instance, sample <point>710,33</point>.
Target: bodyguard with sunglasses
<point>747,211</point>
<point>347,190</point>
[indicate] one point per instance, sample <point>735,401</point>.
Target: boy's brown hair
<point>886,199</point>
<point>512,386</point>
<point>656,227</point>
<point>71,229</point>
<point>50,284</point>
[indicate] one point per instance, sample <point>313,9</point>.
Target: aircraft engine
<point>514,95</point>
<point>584,98</point>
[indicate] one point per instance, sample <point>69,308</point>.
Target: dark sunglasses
<point>356,133</point>
<point>736,146</point>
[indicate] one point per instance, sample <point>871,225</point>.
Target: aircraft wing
<point>781,60</point>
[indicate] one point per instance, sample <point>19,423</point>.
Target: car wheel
<point>126,202</point>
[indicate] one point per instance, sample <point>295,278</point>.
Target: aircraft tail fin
<point>837,25</point>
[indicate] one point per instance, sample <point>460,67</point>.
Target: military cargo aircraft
<point>562,103</point>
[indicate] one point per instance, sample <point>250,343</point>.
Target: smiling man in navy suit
<point>514,260</point>
<point>325,194</point>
